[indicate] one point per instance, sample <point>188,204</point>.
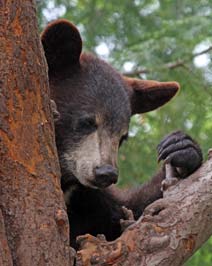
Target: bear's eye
<point>123,139</point>
<point>87,124</point>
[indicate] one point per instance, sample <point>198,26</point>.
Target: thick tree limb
<point>168,233</point>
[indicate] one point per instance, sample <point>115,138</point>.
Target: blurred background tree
<point>151,39</point>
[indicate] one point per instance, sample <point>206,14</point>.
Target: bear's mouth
<point>103,183</point>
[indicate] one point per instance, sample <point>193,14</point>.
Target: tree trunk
<point>5,255</point>
<point>169,232</point>
<point>33,220</point>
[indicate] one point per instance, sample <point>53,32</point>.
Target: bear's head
<point>92,104</point>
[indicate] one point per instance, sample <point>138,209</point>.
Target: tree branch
<point>169,232</point>
<point>171,65</point>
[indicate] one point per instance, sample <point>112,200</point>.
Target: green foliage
<point>149,35</point>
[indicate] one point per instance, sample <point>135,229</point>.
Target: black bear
<point>94,105</point>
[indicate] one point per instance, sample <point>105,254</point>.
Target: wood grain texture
<point>5,254</point>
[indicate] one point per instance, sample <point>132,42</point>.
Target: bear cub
<point>92,106</point>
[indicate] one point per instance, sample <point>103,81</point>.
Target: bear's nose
<point>105,175</point>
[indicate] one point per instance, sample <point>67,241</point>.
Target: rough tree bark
<point>33,221</point>
<point>168,233</point>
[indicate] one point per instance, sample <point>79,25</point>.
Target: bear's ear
<point>147,95</point>
<point>62,45</point>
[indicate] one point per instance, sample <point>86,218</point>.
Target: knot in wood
<point>61,217</point>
